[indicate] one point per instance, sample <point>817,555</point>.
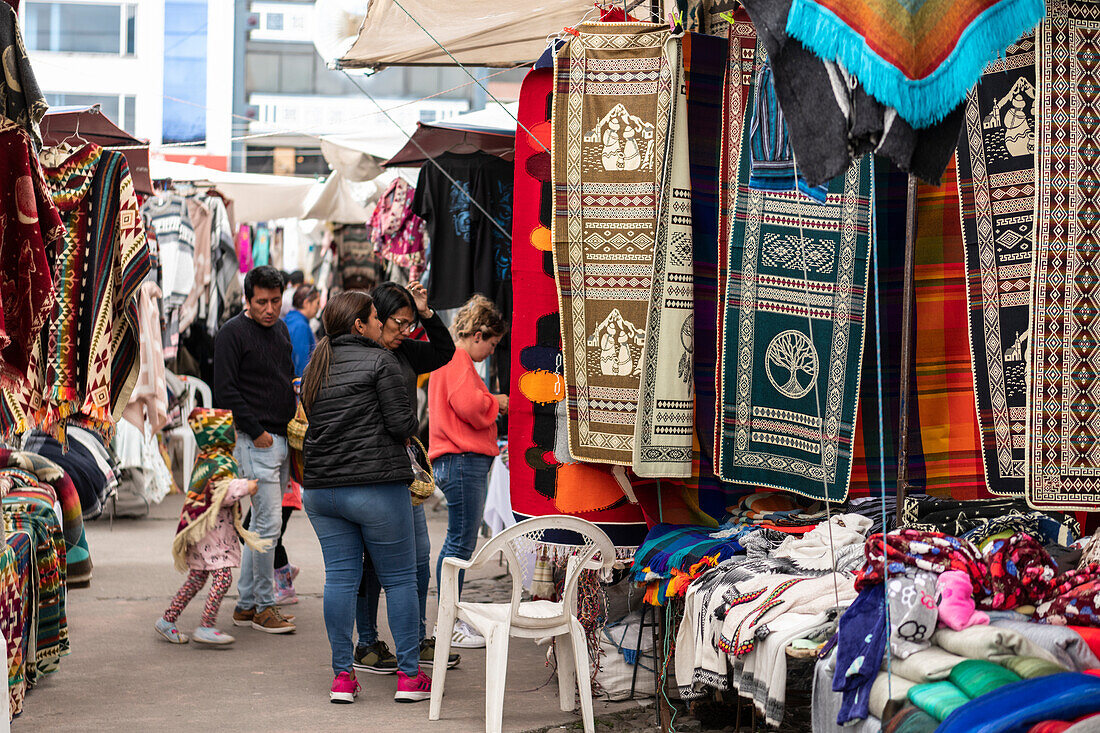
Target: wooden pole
<point>906,341</point>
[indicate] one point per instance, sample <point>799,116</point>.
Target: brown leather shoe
<point>271,621</point>
<point>243,616</point>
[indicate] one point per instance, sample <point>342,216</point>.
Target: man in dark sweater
<point>252,377</point>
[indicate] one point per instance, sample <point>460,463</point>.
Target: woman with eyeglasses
<point>399,309</point>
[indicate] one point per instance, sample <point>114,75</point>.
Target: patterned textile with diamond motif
<point>20,628</point>
<point>793,333</point>
<point>1062,459</point>
<point>996,166</point>
<point>11,620</point>
<point>613,105</point>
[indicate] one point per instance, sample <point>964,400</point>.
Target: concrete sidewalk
<point>122,677</point>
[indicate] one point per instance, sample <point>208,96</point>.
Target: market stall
<point>775,348</point>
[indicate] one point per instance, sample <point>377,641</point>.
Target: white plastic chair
<point>194,387</point>
<point>531,619</point>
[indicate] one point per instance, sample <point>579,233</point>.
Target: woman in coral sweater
<point>462,436</point>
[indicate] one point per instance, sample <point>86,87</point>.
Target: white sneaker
<point>466,637</point>
<point>210,635</point>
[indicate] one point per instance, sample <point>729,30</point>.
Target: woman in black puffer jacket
<point>356,481</point>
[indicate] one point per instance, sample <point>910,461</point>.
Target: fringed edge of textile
<point>556,551</point>
<point>658,592</point>
<point>198,528</point>
<point>926,101</point>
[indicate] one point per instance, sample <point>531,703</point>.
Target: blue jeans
<point>366,605</point>
<point>464,480</point>
<point>270,467</point>
<point>376,518</point>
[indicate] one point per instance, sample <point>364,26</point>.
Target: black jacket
<point>360,420</point>
<point>421,357</point>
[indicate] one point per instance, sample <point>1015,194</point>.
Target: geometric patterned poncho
<point>84,367</point>
<point>214,468</point>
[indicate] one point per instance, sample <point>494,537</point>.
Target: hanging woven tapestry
<point>666,407</point>
<point>541,484</point>
<point>919,57</point>
<point>613,104</point>
<point>1062,459</point>
<point>739,75</point>
<point>793,333</point>
<point>996,165</point>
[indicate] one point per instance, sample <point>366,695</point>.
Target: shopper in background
<point>252,377</point>
<point>463,436</point>
<point>306,302</point>
<point>292,281</point>
<point>356,486</point>
<point>398,309</point>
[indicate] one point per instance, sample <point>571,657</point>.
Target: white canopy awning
<point>256,197</point>
<point>476,32</point>
<point>343,202</point>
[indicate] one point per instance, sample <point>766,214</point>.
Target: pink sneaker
<point>344,688</point>
<point>413,689</point>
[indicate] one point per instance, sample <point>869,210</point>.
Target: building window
<point>80,27</point>
<point>121,110</point>
<point>274,21</point>
<point>185,41</point>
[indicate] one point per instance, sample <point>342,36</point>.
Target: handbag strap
<point>426,460</point>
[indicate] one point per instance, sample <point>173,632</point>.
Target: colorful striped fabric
<point>919,57</point>
<point>110,289</point>
<point>47,472</point>
<point>70,186</point>
<point>669,546</point>
<point>944,437</point>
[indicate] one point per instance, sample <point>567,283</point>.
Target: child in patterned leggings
<point>207,541</point>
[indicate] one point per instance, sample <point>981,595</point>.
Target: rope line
<point>881,428</point>
<point>432,160</point>
<point>476,81</point>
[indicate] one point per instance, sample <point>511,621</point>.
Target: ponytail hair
<point>338,319</point>
<point>479,315</point>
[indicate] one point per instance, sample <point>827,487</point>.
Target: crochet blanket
<point>920,58</point>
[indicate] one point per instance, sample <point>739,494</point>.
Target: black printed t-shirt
<point>469,254</point>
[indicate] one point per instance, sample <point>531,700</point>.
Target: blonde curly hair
<point>479,315</point>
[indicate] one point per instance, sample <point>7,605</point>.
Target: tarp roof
<point>61,123</point>
<point>359,157</point>
<point>255,197</point>
<point>476,32</point>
